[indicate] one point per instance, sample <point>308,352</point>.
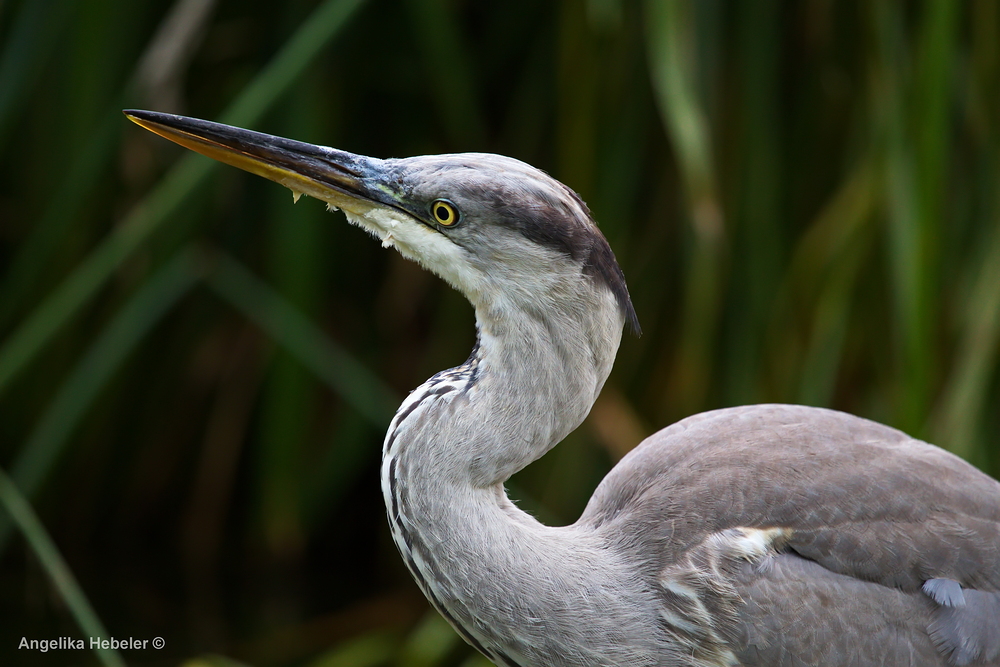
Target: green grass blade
<point>915,122</point>
<point>213,661</point>
<point>331,477</point>
<point>86,167</point>
<point>125,331</point>
<point>578,93</point>
<point>755,220</point>
<point>476,660</point>
<point>358,386</point>
<point>288,402</point>
<point>23,515</point>
<point>30,338</point>
<point>830,321</point>
<point>823,272</point>
<point>671,61</point>
<point>429,643</point>
<point>34,254</point>
<point>906,256</point>
<point>967,389</point>
<point>668,29</point>
<point>369,650</point>
<point>288,65</point>
<point>935,79</point>
<point>31,39</point>
<point>447,65</point>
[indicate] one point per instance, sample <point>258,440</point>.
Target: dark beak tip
<point>132,114</point>
<point>140,116</point>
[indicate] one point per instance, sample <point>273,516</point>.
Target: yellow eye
<point>444,212</point>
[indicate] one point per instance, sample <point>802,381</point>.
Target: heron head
<point>505,234</point>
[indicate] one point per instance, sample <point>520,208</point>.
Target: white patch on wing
<point>679,589</point>
<point>749,544</point>
<point>678,621</point>
<point>699,596</point>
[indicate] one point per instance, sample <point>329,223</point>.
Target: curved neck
<point>452,444</point>
<point>530,381</point>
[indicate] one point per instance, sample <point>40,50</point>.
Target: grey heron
<point>761,535</point>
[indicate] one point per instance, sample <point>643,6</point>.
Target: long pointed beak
<point>353,182</point>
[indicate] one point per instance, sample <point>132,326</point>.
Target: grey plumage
<point>764,535</point>
<point>870,515</point>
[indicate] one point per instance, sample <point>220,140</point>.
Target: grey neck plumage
<point>455,440</point>
<point>530,381</point>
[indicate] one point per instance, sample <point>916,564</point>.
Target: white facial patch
<point>414,241</point>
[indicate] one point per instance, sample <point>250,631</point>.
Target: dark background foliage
<point>195,375</point>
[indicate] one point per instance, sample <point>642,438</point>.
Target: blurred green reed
<point>195,375</point>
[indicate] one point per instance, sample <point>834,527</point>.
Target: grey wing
<point>797,613</point>
<point>834,540</point>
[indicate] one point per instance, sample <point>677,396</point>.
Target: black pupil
<point>442,212</point>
